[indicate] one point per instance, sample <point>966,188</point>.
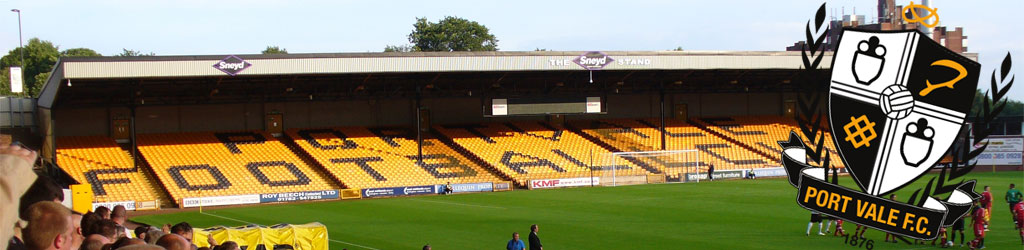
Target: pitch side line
<point>246,222</point>
<point>460,204</point>
<point>228,218</point>
<point>350,244</point>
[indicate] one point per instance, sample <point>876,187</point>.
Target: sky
<point>191,27</point>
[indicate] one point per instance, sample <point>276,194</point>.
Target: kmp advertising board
<point>398,191</point>
<point>565,182</point>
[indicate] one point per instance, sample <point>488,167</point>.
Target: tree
<point>128,52</point>
<point>79,52</point>
<point>40,56</point>
<point>451,34</point>
<point>398,48</point>
<point>274,50</point>
<point>40,80</point>
<point>678,48</point>
<point>1013,107</point>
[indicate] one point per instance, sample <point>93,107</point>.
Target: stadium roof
<point>341,63</point>
<point>101,75</point>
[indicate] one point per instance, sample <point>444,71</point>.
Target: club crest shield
<point>897,101</point>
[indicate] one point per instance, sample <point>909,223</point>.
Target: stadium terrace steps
<point>472,157</point>
<point>759,133</point>
<point>644,135</point>
<point>99,161</point>
<point>386,157</point>
<point>697,123</point>
<point>631,146</point>
<point>165,196</point>
<point>222,164</point>
<point>535,150</point>
<point>309,160</point>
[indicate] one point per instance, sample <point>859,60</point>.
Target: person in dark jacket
<point>534,240</point>
<point>711,171</point>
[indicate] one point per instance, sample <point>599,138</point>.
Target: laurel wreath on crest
<point>811,113</point>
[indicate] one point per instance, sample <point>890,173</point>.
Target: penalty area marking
<point>246,222</point>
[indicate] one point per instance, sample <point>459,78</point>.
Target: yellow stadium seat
<point>217,164</point>
<point>99,161</point>
<point>362,157</point>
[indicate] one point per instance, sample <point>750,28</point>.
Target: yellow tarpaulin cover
<point>311,236</point>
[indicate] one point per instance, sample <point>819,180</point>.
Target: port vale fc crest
<point>897,101</point>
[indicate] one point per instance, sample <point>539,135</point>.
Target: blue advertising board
<point>397,191</point>
<point>769,172</point>
<point>468,187</point>
<point>299,196</point>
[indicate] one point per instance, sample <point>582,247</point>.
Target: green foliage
<point>398,48</point>
<point>79,52</point>
<point>128,52</point>
<point>1013,107</point>
<point>451,34</point>
<point>274,50</point>
<point>41,80</point>
<point>679,48</point>
<point>40,56</point>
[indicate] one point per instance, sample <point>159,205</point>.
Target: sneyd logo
<point>232,65</point>
<point>593,60</point>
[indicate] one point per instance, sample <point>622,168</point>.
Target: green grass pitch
<point>733,214</point>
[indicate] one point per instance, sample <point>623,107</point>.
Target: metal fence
<point>17,112</point>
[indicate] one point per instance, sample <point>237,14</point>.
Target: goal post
<point>618,168</point>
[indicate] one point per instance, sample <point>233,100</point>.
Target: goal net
<point>673,164</point>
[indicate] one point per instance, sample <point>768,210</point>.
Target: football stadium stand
<point>360,157</point>
<point>99,161</point>
<point>761,133</point>
<point>526,151</point>
<point>222,164</point>
<point>644,135</point>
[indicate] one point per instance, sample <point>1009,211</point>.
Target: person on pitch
<point>859,231</point>
<point>978,217</point>
<point>711,171</point>
<point>815,218</point>
<point>986,202</point>
<point>839,228</point>
<point>1013,196</point>
<point>515,243</point>
<point>1018,213</point>
<point>828,223</point>
<point>534,239</point>
<point>958,226</point>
